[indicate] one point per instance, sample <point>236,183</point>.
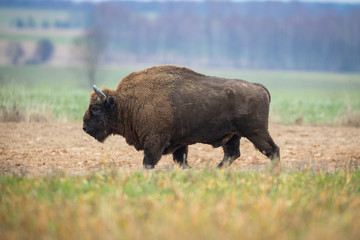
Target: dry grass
<point>11,115</point>
<point>61,90</point>
<point>23,104</point>
<point>15,114</point>
<point>191,204</point>
<point>352,118</point>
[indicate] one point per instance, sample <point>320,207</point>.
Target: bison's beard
<point>100,136</point>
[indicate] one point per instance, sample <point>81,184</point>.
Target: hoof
<point>148,166</point>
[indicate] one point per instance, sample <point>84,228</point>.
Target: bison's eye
<point>95,109</point>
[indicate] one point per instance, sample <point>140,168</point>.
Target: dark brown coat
<point>164,109</point>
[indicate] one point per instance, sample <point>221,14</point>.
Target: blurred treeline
<point>251,35</point>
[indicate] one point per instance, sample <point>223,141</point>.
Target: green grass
<point>9,15</point>
<point>314,106</point>
<point>191,204</point>
<point>292,80</point>
<point>43,104</point>
<point>309,98</point>
<point>40,76</point>
<point>22,37</point>
<point>48,93</point>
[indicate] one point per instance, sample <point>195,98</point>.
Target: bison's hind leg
<point>180,157</point>
<point>231,151</point>
<point>266,145</point>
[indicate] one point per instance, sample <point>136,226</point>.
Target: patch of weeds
<point>11,114</point>
<point>352,118</point>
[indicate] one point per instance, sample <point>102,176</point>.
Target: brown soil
<point>47,148</point>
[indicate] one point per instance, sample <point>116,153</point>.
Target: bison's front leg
<point>153,148</point>
<point>180,157</point>
<point>231,151</point>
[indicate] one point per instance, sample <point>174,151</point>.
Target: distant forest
<point>251,35</point>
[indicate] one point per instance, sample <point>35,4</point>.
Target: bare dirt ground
<point>48,148</point>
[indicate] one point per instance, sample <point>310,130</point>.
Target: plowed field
<point>47,148</point>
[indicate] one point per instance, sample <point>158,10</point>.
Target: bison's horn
<point>101,95</point>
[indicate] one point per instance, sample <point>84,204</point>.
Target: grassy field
<point>21,37</point>
<point>62,93</point>
<point>9,15</point>
<point>191,204</point>
<point>39,17</point>
<point>172,204</point>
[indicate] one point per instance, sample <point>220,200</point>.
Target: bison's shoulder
<point>157,77</point>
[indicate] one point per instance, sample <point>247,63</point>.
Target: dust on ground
<point>47,148</point>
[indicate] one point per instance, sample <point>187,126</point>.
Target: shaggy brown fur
<point>164,109</point>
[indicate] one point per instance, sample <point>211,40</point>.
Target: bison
<point>164,109</point>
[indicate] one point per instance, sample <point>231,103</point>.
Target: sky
<point>325,1</point>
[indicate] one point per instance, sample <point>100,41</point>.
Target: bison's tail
<point>259,84</point>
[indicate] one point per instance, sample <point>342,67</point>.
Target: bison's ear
<point>111,101</point>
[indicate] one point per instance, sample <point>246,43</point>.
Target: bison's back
<point>169,80</point>
<point>158,78</point>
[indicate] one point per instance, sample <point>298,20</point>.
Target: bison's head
<point>100,117</point>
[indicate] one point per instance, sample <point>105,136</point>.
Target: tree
<point>45,24</point>
<point>90,48</point>
<point>44,50</point>
<point>14,52</point>
<point>19,23</point>
<point>31,22</point>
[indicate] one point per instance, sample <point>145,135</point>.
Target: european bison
<point>164,109</point>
